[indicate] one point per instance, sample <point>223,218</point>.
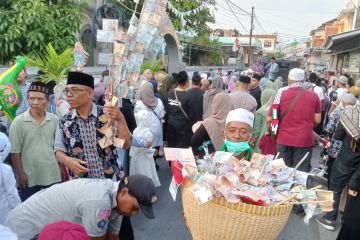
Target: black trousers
<point>293,155</point>
<point>126,230</point>
<point>178,134</point>
<point>329,167</point>
<point>338,181</point>
<point>350,229</point>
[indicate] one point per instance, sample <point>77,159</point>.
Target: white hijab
<point>5,147</point>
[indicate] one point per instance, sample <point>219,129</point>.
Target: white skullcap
<point>5,147</point>
<point>297,74</point>
<point>203,76</point>
<point>240,115</point>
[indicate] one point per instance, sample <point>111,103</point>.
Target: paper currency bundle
<point>261,181</point>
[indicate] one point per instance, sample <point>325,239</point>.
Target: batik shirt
<point>79,138</point>
<point>335,145</point>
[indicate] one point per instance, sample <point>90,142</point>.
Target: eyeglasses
<point>73,91</point>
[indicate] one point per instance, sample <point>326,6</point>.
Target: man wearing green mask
<point>237,134</point>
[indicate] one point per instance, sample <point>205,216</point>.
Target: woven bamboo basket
<point>221,220</point>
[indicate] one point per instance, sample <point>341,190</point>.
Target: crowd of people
<point>63,173</point>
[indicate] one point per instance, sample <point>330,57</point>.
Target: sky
<point>291,19</point>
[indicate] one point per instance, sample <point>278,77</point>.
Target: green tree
<point>294,44</point>
<point>194,23</point>
<point>208,52</point>
<point>27,26</point>
<point>154,65</point>
<point>279,55</point>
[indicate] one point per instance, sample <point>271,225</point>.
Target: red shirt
<point>296,129</point>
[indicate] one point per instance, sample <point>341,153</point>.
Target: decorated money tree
<point>10,94</point>
<point>143,39</point>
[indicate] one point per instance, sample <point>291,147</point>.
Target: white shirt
<point>320,92</point>
<point>9,197</point>
<point>156,124</point>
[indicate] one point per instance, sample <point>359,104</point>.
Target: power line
<point>292,35</point>
<point>238,7</point>
<point>259,24</point>
<point>225,8</point>
<point>227,2</point>
<point>303,10</point>
<point>233,20</point>
<point>282,18</point>
<point>279,25</point>
<point>223,25</point>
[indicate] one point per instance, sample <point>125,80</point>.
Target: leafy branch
<point>54,66</point>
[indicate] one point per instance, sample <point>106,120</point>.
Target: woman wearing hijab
<point>216,87</point>
<point>167,84</point>
<point>262,137</point>
<point>156,92</point>
<point>258,67</point>
<point>267,97</point>
<point>153,105</point>
<point>212,127</point>
<point>263,83</point>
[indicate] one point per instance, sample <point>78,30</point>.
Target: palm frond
<point>54,66</point>
<point>154,66</point>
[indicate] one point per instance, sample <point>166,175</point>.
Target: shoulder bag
<point>186,116</point>
<point>291,104</point>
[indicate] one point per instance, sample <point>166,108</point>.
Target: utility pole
<point>251,30</point>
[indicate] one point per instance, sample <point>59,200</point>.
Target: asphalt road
<point>169,224</point>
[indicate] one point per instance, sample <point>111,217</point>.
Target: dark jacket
<point>347,163</point>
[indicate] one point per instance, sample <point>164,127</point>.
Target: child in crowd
<point>267,144</point>
<point>9,197</point>
<point>142,161</point>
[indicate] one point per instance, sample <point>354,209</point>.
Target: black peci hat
<point>81,79</point>
<point>39,87</point>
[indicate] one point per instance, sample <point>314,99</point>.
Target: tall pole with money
<point>142,39</point>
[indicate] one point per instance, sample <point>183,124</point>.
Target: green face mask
<point>236,147</point>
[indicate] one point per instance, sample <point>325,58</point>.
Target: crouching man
<point>97,204</point>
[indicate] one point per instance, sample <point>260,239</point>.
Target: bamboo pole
<point>293,195</point>
<point>311,201</point>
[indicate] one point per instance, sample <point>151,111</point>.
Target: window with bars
<point>267,44</point>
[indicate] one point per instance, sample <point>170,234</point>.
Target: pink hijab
<point>216,87</point>
<point>215,124</point>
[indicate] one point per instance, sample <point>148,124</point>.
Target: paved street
<point>169,223</point>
